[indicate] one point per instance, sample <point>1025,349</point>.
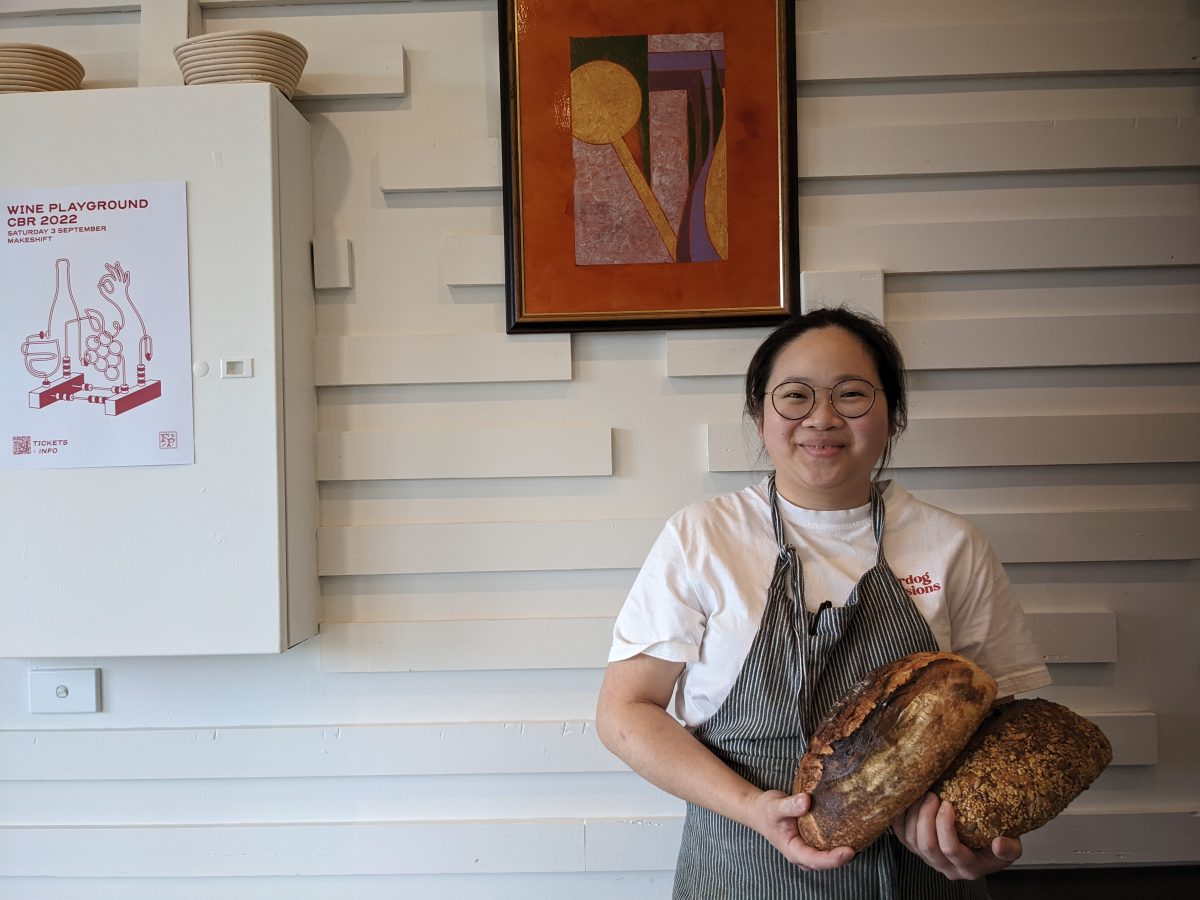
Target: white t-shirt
<point>699,597</point>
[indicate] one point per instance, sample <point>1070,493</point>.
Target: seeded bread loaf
<point>1026,762</point>
<point>885,743</point>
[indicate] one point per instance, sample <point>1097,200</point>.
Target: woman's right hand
<point>773,815</point>
<point>633,723</point>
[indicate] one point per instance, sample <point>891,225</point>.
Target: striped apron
<point>799,665</point>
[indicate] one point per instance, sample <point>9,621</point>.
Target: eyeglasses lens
<point>850,399</point>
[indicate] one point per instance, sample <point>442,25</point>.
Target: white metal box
<point>216,557</point>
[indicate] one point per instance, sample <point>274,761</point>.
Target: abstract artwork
<point>647,114</point>
<point>648,163</point>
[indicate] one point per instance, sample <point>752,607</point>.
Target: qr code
<point>21,445</point>
<point>168,440</point>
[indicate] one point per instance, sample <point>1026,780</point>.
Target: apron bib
<point>798,666</point>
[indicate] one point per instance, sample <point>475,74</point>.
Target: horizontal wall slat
<point>996,49</point>
<point>490,595</point>
<point>1010,441</point>
<point>1075,637</point>
<point>479,645</point>
<point>703,353</point>
<point>58,7</point>
<point>1096,536</point>
<point>16,8</point>
<point>453,645</point>
<point>510,453</point>
<point>1026,536</point>
<point>234,4</point>
<point>485,546</point>
<point>980,343</point>
<point>410,750</point>
<point>1015,342</point>
<point>1134,737</point>
<point>641,844</point>
<point>1037,99</point>
<point>442,358</point>
<point>358,848</point>
<point>1167,598</point>
<point>506,886</point>
<point>404,848</point>
<point>1114,839</point>
<point>475,259</point>
<point>568,643</point>
<point>1089,243</point>
<point>938,149</point>
<point>440,163</point>
<point>305,751</point>
<point>1050,440</point>
<point>362,70</point>
<point>1070,839</point>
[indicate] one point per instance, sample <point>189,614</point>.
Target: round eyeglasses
<point>850,398</point>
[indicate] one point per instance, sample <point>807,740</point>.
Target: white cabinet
<point>217,557</point>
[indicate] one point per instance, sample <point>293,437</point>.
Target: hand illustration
<point>107,286</point>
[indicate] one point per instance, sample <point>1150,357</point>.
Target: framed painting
<point>649,177</point>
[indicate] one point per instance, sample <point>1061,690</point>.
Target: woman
<point>759,609</point>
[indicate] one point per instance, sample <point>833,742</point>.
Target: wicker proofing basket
<point>247,55</point>
<point>33,67</point>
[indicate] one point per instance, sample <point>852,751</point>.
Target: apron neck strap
<point>877,517</point>
<point>776,519</point>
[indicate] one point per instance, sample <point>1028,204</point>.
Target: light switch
<point>237,368</point>
<point>64,690</point>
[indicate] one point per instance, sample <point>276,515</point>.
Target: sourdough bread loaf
<point>884,743</point>
<point>1025,763</point>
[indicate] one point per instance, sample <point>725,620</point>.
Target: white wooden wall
<point>1025,173</point>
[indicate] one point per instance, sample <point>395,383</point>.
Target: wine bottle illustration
<point>48,352</point>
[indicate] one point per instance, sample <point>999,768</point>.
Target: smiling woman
<point>758,610</point>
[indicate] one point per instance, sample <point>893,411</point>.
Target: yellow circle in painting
<point>605,102</point>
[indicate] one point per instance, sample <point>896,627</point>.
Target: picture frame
<point>649,163</point>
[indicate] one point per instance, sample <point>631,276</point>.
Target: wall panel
<point>305,751</point>
<point>484,546</point>
<point>509,886</point>
<point>488,847</point>
<point>994,49</point>
<point>998,440</point>
<point>510,453</point>
<point>998,147</point>
<point>466,645</point>
<point>971,341</point>
<point>441,359</point>
<point>1019,98</point>
<point>967,246</point>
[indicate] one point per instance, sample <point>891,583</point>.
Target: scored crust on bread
<point>1024,765</point>
<point>885,743</point>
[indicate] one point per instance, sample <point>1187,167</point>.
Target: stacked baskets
<point>32,67</point>
<point>246,55</point>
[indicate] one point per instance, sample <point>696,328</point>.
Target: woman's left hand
<point>927,829</point>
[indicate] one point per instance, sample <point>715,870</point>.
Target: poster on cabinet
<point>95,337</point>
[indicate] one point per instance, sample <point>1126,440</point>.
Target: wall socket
<point>64,690</point>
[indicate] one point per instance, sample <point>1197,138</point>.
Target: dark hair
<point>875,338</point>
